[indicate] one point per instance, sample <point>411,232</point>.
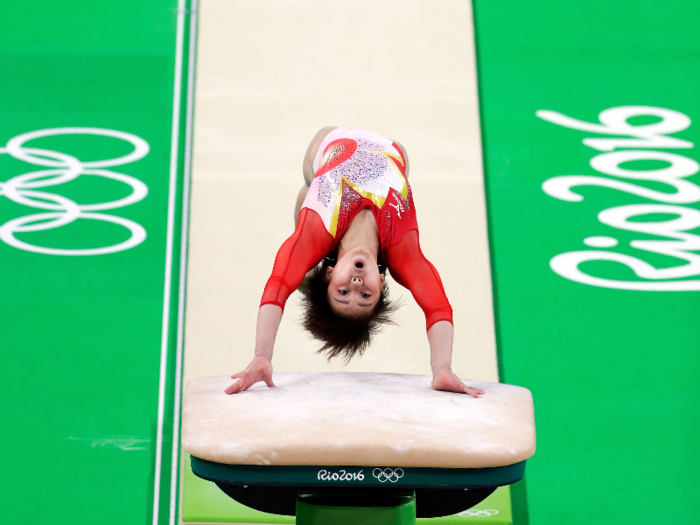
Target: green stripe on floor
<point>599,324</point>
<point>84,243</point>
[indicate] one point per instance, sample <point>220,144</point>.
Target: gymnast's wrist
<point>266,354</point>
<point>438,369</point>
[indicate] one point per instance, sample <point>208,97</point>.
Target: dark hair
<point>341,335</point>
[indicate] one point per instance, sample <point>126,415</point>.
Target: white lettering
<point>613,121</point>
<point>679,243</point>
<point>609,164</point>
<point>342,475</point>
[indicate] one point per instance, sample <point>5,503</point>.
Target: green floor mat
<point>595,313</point>
<point>91,186</point>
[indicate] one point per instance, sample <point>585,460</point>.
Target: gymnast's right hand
<point>259,369</point>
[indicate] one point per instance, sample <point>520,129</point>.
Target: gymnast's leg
<point>405,156</point>
<point>309,168</point>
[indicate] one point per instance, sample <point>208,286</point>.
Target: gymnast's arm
<point>309,243</point>
<point>440,337</point>
<point>260,368</point>
<point>411,269</point>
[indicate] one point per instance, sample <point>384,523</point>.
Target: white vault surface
<point>357,419</point>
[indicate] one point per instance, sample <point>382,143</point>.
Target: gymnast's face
<point>354,284</point>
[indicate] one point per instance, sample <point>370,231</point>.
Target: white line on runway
<point>175,466</point>
<point>169,252</point>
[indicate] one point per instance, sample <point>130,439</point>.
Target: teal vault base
<point>204,502</point>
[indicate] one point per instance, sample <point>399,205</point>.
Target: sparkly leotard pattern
<point>356,170</point>
<point>363,164</point>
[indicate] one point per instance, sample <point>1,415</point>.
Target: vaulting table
<point>347,447</point>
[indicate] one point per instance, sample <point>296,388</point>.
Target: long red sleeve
<point>411,269</point>
<point>307,246</point>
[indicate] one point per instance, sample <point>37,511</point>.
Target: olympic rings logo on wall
<point>478,513</point>
<point>26,189</point>
<point>388,474</point>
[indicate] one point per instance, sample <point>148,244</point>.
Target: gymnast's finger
<point>237,375</point>
<point>268,381</point>
<point>237,387</point>
<point>474,392</point>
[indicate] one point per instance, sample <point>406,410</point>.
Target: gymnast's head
<point>346,303</point>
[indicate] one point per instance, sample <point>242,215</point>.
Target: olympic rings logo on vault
<point>388,474</point>
<point>29,189</point>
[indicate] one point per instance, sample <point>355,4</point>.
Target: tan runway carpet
<point>270,74</point>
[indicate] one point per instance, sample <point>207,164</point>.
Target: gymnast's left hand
<point>449,382</point>
<point>259,369</point>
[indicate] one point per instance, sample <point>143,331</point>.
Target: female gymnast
<point>355,214</point>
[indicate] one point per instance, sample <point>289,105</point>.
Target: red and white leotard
<point>356,170</point>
